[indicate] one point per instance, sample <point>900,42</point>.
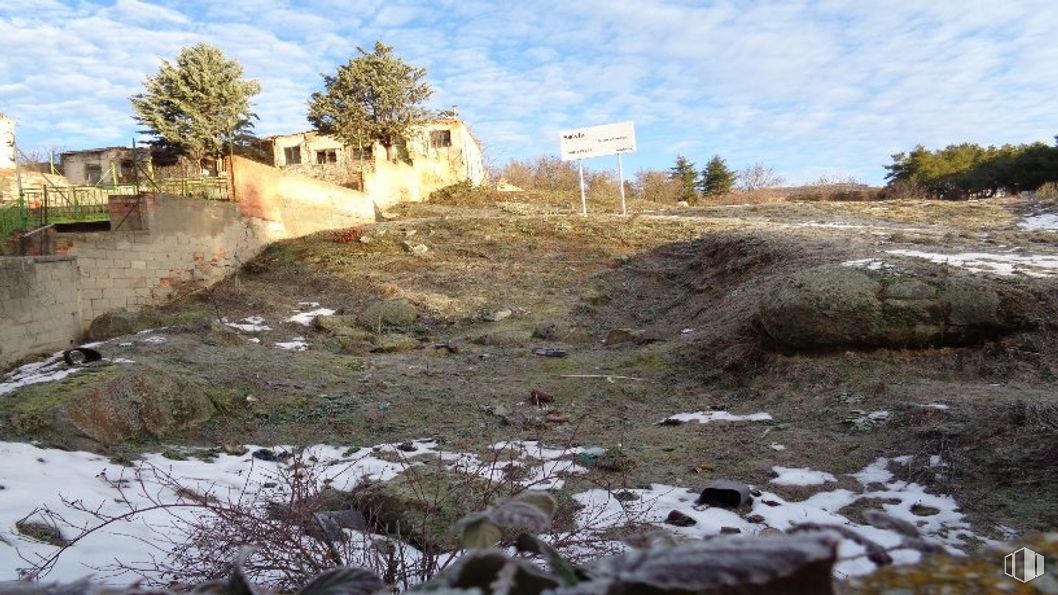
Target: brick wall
<point>39,306</point>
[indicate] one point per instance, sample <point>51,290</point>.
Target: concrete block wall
<point>39,305</point>
<point>185,244</point>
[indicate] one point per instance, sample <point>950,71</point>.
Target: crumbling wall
<point>39,305</point>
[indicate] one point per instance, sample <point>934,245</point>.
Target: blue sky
<point>811,88</point>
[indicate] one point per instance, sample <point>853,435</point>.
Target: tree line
<point>970,170</point>
<point>198,106</point>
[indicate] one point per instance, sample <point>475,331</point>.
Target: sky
<point>810,88</point>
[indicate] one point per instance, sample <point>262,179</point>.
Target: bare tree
<point>758,176</point>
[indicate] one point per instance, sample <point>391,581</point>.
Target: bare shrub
<point>757,177</point>
<point>1048,190</point>
<point>846,189</point>
<point>656,186</point>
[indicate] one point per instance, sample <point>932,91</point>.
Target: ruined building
<point>439,153</point>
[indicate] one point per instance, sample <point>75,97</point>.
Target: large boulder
<point>114,405</point>
<point>836,306</point>
<point>113,324</point>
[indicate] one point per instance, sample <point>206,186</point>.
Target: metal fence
<point>48,204</point>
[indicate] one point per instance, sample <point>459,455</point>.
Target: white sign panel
<point>596,141</point>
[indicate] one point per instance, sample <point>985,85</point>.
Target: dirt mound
<point>125,402</point>
<point>835,306</point>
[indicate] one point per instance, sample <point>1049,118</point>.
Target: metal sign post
<point>583,199</point>
<point>596,141</point>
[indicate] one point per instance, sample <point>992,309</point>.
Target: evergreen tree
<point>374,97</point>
<point>195,105</point>
<point>687,177</point>
<point>717,178</point>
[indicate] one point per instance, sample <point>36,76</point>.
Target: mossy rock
<point>836,306</point>
<point>394,343</point>
<point>341,325</point>
<point>388,314</point>
<point>422,505</point>
<point>113,324</point>
<point>112,405</point>
<point>505,338</point>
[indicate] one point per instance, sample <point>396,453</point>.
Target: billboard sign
<point>597,141</point>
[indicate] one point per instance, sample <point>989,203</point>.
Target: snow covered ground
<point>33,477</point>
<point>937,517</point>
<point>1004,264</point>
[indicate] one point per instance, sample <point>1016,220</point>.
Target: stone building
<point>107,165</point>
<point>439,153</point>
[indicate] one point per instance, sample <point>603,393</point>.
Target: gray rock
<point>551,330</point>
<point>417,249</point>
<point>834,306</point>
<point>498,315</point>
<point>113,324</point>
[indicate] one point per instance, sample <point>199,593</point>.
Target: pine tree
<point>717,178</point>
<point>376,97</point>
<point>687,177</point>
<point>196,104</point>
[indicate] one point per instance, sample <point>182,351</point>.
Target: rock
<point>725,493</point>
<point>113,405</point>
<point>365,239</point>
<point>836,306</point>
<point>113,324</point>
<point>340,325</point>
<point>730,530</point>
<point>551,330</point>
<point>421,505</point>
<point>416,249</point>
<point>388,313</point>
<point>354,346</point>
<point>394,343</point>
<point>498,315</point>
<point>264,454</point>
<point>679,519</point>
<point>620,335</point>
<point>755,518</point>
<point>505,338</point>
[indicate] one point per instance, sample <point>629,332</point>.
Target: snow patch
<point>250,324</point>
<point>792,476</point>
<point>605,509</point>
<point>705,417</point>
<point>295,344</point>
<point>306,318</point>
<point>1036,265</point>
<point>1043,221</point>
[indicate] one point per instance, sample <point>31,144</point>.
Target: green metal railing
<point>49,204</point>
